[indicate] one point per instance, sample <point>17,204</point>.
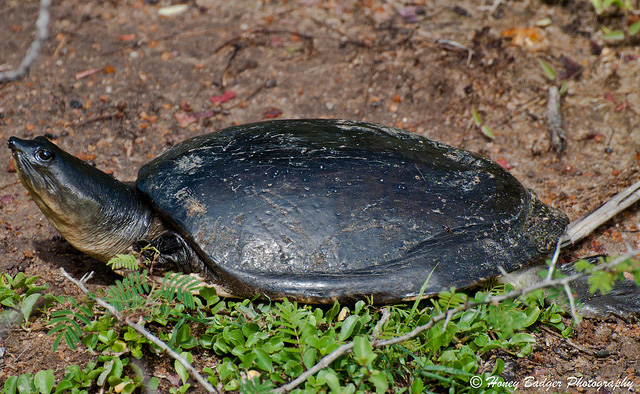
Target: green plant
<point>477,120</point>
<point>262,345</point>
<point>601,6</point>
<point>41,383</point>
<point>19,296</point>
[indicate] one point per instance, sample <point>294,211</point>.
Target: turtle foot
<point>168,252</point>
<point>623,300</point>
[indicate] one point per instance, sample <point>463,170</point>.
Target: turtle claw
<point>166,252</point>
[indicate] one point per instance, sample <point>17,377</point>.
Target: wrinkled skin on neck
<point>93,211</point>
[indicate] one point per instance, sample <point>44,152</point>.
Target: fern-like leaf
<point>65,323</point>
<point>124,261</point>
<point>129,292</point>
<point>182,287</point>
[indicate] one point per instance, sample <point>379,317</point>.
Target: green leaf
<point>417,386</point>
<point>597,5</point>
<point>532,313</point>
<point>583,265</point>
<point>118,346</point>
<point>634,29</point>
<point>25,384</point>
<point>44,381</point>
<point>129,388</point>
<point>36,289</point>
<point>600,280</point>
<point>27,305</point>
<point>476,116</point>
<point>64,386</point>
<point>209,294</point>
<point>181,332</point>
<point>249,329</point>
<point>612,35</point>
<point>548,71</point>
<point>153,383</point>
<point>333,312</point>
<point>56,342</point>
<point>332,380</point>
<point>487,132</point>
<point>363,351</point>
<point>70,338</point>
<point>444,369</point>
<point>181,370</point>
<point>563,88</point>
<point>498,367</point>
<point>108,366</point>
<point>347,327</point>
<point>309,358</point>
<point>522,338</point>
<point>11,385</point>
<point>118,366</point>
<point>125,261</point>
<point>379,380</point>
<point>19,280</point>
<point>263,361</point>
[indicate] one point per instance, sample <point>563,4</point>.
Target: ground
<point>116,84</point>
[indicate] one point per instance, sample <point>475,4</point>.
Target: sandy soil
<point>420,66</point>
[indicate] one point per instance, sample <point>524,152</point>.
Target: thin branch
<point>378,328</point>
<point>450,314</point>
<point>449,44</point>
<point>80,283</point>
<point>572,303</point>
<point>585,226</point>
<point>554,261</point>
<point>554,121</point>
<point>41,35</point>
<point>329,358</point>
<point>322,364</point>
<point>546,283</point>
<point>173,354</point>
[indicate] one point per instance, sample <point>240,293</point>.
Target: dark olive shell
<point>318,210</point>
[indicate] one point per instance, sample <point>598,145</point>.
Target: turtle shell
<point>322,210</point>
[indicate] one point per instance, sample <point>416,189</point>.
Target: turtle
<point>314,210</point>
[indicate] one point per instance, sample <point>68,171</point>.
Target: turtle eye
<point>44,155</point>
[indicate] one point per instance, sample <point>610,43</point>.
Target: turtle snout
<point>15,144</point>
<point>11,143</point>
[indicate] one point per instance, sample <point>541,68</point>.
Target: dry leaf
<point>532,39</point>
<point>223,98</point>
<point>86,73</point>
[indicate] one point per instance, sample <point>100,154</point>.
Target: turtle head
<point>56,181</point>
<point>96,213</point>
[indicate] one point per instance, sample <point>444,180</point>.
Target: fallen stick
<point>554,121</point>
<point>80,284</point>
<point>580,228</point>
<point>41,35</point>
<point>546,283</point>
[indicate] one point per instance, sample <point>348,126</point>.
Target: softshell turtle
<point>312,210</point>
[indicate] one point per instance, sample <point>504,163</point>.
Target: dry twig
<point>546,283</point>
<point>41,35</point>
<point>554,121</point>
<point>80,284</point>
<point>579,229</point>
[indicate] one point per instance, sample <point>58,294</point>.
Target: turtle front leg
<point>173,254</point>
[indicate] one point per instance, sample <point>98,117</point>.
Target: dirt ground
<point>116,84</point>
